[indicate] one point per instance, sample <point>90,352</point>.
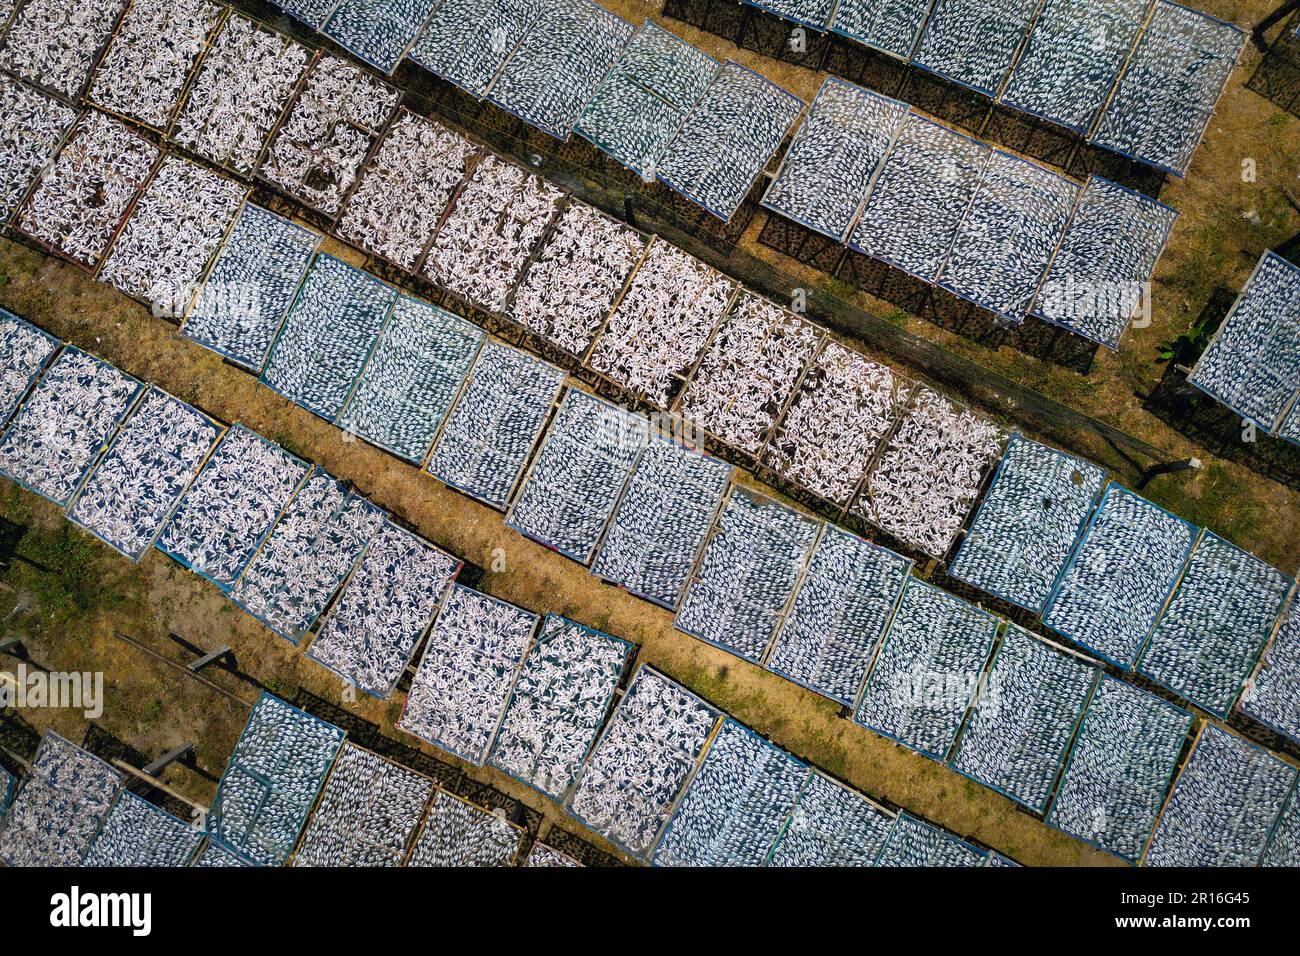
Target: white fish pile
<point>31,127</point>
<point>144,472</point>
<point>492,429</point>
<point>662,323</point>
<point>927,479</point>
<point>727,139</point>
<point>1180,49</point>
<point>831,825</point>
<point>215,855</point>
<point>1073,58</point>
<point>136,833</point>
<point>748,371</point>
<point>457,833</point>
<point>466,41</point>
<point>311,549</point>
<point>828,168</point>
<point>843,408</point>
<point>377,31</point>
<point>460,689</point>
<point>578,474</point>
<point>172,233</point>
<point>60,429</point>
<point>55,43</point>
<point>559,703</point>
<point>58,806</point>
<point>322,141</point>
<point>272,780</point>
<point>747,574</point>
<point>367,813</point>
<point>1008,235</point>
<point>403,191</point>
<point>82,197</point>
<point>1026,527</point>
<point>927,670</point>
<point>372,632</point>
<point>657,80</point>
<point>913,843</point>
<point>814,13</point>
<point>243,86</point>
<point>965,41</point>
<point>231,506</point>
<point>661,521</point>
<point>1107,254</point>
<point>1224,805</point>
<point>495,225</point>
<point>313,13</point>
<point>1274,697</point>
<point>559,63</point>
<point>1120,576</point>
<point>733,810</point>
<point>543,855</point>
<point>328,335</point>
<point>1210,635</point>
<point>411,378</point>
<point>889,25</point>
<point>840,611</point>
<point>568,290</point>
<point>251,286</point>
<point>1284,845</point>
<point>1252,364</point>
<point>143,73</point>
<point>914,210</point>
<point>24,352</point>
<point>640,763</point>
<point>1121,765</point>
<point>1016,738</point>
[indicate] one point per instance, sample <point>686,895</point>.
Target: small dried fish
<point>81,198</point>
<point>1026,527</point>
<point>31,127</point>
<point>59,431</point>
<point>328,335</point>
<point>494,424</point>
<point>231,506</point>
<point>372,632</point>
<point>367,812</point>
<point>58,806</point>
<point>1224,805</point>
<point>1017,734</point>
<point>157,44</point>
<point>634,773</point>
<point>172,234</point>
<point>144,472</point>
<point>268,788</point>
<point>457,833</point>
<point>577,476</point>
<point>733,810</point>
<point>661,521</point>
<point>324,138</point>
<point>55,43</point>
<point>136,833</point>
<point>558,705</point>
<point>462,685</point>
<point>927,670</point>
<point>244,83</point>
<point>747,574</point>
<point>1210,634</point>
<point>1121,765</point>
